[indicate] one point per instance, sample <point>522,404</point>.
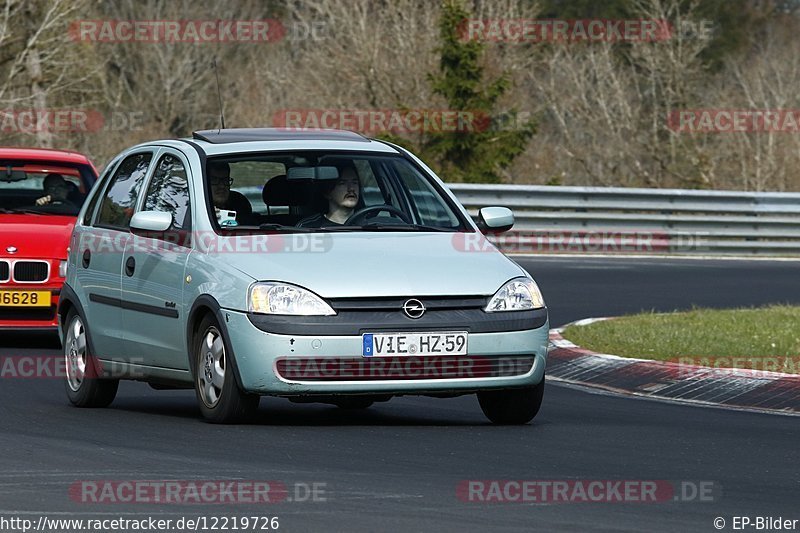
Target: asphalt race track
<point>576,288</point>
<point>396,467</point>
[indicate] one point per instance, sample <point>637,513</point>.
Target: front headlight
<point>62,269</point>
<point>284,299</point>
<point>519,294</point>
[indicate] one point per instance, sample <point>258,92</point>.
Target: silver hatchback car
<point>320,266</point>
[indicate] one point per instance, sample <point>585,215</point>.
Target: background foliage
<point>573,114</point>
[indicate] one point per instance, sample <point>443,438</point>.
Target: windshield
<point>43,188</point>
<point>312,192</point>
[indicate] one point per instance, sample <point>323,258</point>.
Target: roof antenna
<point>219,96</point>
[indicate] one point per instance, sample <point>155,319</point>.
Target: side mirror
<point>495,219</point>
<point>151,221</point>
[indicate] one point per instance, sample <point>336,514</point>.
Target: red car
<point>41,192</point>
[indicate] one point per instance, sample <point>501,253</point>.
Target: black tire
<point>512,406</point>
<point>84,386</point>
<point>355,402</point>
<point>218,395</point>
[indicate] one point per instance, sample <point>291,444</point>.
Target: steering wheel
<point>361,214</point>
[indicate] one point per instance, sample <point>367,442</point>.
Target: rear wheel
<point>83,383</point>
<point>220,399</point>
<point>512,406</point>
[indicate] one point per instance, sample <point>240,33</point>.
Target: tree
<point>40,69</point>
<point>481,155</point>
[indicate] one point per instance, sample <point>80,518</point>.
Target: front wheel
<point>220,399</point>
<point>512,406</point>
<point>84,386</point>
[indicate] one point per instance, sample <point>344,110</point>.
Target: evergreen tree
<point>477,156</point>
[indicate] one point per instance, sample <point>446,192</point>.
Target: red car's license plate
<point>25,298</point>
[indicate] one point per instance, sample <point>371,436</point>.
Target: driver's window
<point>118,203</point>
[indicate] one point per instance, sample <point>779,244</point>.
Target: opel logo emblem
<point>11,249</point>
<point>413,308</point>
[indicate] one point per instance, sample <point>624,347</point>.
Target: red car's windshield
<point>47,188</point>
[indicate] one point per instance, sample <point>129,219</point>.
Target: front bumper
<point>258,354</point>
<point>31,318</point>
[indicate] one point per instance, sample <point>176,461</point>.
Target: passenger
<point>220,181</point>
<point>56,191</point>
<point>342,197</point>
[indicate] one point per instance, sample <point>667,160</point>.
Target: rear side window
<point>169,191</point>
<point>119,200</point>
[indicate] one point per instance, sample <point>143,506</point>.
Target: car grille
<point>396,304</point>
<point>329,369</point>
<point>5,271</point>
<point>31,271</point>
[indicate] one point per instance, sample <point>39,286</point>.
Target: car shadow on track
<point>280,412</point>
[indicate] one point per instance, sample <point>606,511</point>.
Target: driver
<point>220,181</point>
<point>342,196</point>
<point>56,191</point>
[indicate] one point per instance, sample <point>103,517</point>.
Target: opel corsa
<point>320,266</point>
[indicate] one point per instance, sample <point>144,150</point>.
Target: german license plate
<point>24,298</point>
<point>417,343</point>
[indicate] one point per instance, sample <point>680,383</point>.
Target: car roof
<point>43,154</point>
<point>237,135</point>
<point>241,140</point>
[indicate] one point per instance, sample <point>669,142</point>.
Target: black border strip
<point>352,323</point>
<point>133,306</point>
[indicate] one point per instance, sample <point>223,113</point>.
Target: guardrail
<point>627,220</point>
<point>552,219</point>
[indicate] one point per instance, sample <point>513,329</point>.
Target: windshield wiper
<point>423,227</point>
<point>279,227</point>
<point>375,226</point>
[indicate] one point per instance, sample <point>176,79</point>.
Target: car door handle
<point>130,266</point>
<point>87,258</point>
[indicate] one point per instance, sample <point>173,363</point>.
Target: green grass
<point>766,332</point>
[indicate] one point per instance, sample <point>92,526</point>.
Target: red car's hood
<point>35,236</point>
